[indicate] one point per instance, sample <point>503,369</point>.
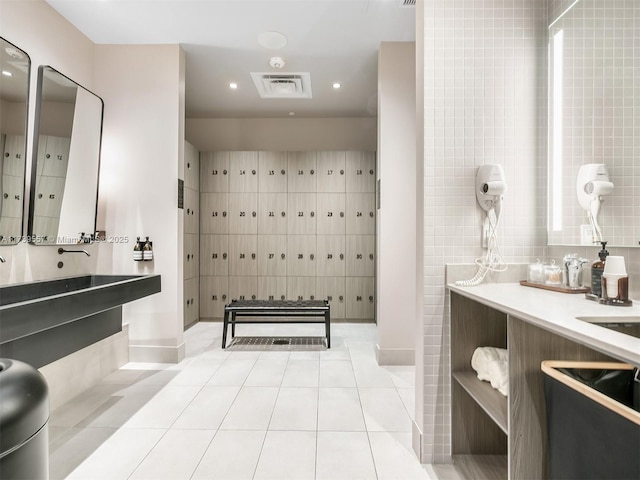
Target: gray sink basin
<point>627,324</point>
<point>29,308</point>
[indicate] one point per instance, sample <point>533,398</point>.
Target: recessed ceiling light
<point>272,40</point>
<point>233,85</point>
<point>292,113</point>
<point>7,73</point>
<point>336,85</point>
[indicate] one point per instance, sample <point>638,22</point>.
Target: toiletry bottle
<point>597,268</point>
<point>147,252</point>
<point>137,250</point>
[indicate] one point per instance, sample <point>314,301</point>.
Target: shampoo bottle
<point>597,268</point>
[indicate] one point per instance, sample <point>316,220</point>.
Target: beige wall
<point>282,134</point>
<point>396,283</point>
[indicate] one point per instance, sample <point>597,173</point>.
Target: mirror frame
<point>33,237</point>
<point>20,235</point>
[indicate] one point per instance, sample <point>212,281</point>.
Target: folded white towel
<point>491,365</point>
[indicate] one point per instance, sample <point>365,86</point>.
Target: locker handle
<point>282,255</point>
<point>253,214</point>
<point>6,154</point>
<point>282,297</point>
<point>370,298</point>
<point>224,297</point>
<point>312,297</point>
<point>371,214</point>
<point>283,214</point>
<point>312,214</point>
<point>370,172</point>
<point>224,172</point>
<point>47,155</point>
<point>6,195</point>
<point>253,172</point>
<point>282,172</point>
<point>253,256</point>
<point>371,256</point>
<point>253,297</point>
<point>342,256</point>
<point>188,211</point>
<point>341,298</point>
<point>224,256</point>
<point>224,214</point>
<point>312,256</point>
<point>312,172</point>
<point>341,173</point>
<point>341,214</point>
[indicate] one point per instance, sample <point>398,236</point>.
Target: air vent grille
<point>282,85</point>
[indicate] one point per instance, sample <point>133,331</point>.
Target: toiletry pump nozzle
<point>490,186</point>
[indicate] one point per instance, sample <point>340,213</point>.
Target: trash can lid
<point>24,403</point>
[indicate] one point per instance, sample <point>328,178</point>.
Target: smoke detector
<point>277,62</point>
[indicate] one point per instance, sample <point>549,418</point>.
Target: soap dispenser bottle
<point>597,269</point>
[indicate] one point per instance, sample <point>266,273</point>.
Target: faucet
<point>62,250</point>
<point>2,259</point>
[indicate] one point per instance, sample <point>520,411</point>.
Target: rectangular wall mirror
<point>594,117</point>
<point>66,152</point>
<point>15,67</point>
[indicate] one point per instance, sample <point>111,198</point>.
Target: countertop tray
<point>555,288</point>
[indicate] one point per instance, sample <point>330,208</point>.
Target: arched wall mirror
<point>15,67</point>
<point>594,118</point>
<point>64,179</point>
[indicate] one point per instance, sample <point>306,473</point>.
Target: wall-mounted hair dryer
<point>490,188</point>
<point>593,182</point>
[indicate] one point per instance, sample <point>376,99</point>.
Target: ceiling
<point>333,40</point>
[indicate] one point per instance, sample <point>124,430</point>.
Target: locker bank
<point>418,165</point>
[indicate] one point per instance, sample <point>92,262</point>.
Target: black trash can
<point>593,420</point>
<point>24,417</point>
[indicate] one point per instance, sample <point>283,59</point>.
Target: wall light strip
<point>558,51</point>
<point>563,13</point>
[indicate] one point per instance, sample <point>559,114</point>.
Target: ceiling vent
<point>407,3</point>
<point>282,85</point>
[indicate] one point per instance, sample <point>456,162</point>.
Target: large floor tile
<point>369,375</point>
<point>287,456</point>
<point>301,373</point>
<point>339,410</point>
<point>296,409</point>
<point>198,372</point>
<point>344,456</point>
<point>383,410</point>
<point>234,370</point>
<point>164,408</point>
<point>175,457</point>
<point>119,455</point>
<point>393,457</point>
<point>232,455</point>
<point>336,373</point>
<point>251,409</point>
<point>208,408</point>
<point>402,376</point>
<point>68,450</point>
<point>268,372</point>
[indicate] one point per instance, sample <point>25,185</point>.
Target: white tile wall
<point>484,102</point>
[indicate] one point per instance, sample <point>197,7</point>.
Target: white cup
<point>615,265</point>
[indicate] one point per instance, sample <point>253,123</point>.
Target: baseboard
<point>395,356</point>
<point>156,353</point>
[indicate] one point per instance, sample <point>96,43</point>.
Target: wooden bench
<point>275,310</point>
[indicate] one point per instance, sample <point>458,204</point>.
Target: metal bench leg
<point>225,323</point>
<point>233,325</point>
<point>327,323</point>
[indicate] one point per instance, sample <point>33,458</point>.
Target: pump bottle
<point>597,269</point>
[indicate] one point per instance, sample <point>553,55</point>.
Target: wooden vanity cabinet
<point>493,436</point>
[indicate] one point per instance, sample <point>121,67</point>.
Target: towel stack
<point>491,365</point>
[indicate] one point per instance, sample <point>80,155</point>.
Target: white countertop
<point>557,312</point>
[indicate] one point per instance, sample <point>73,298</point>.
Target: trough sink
<point>33,307</point>
<point>627,324</point>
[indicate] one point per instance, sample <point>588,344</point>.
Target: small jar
<point>553,275</point>
<point>535,272</point>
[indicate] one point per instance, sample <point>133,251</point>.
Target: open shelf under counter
<point>486,467</point>
<point>489,399</point>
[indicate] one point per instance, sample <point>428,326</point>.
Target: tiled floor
<point>242,414</point>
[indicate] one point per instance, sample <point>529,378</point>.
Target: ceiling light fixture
<point>272,40</point>
<point>336,85</point>
<point>277,62</point>
<point>292,114</point>
<point>6,73</point>
<point>233,86</point>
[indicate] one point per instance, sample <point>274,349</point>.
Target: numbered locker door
<point>332,289</point>
<point>302,172</point>
<point>272,256</point>
<point>361,172</point>
<point>330,214</point>
<point>191,308</point>
<point>272,213</point>
<point>12,198</point>
<point>214,172</point>
<point>301,214</point>
<point>243,172</point>
<point>360,255</point>
<point>301,288</point>
<point>243,255</point>
<point>191,210</point>
<point>272,288</point>
<point>49,191</point>
<point>191,166</point>
<point>243,213</point>
<point>301,256</point>
<point>214,254</point>
<point>272,172</point>
<point>56,156</point>
<point>191,255</point>
<point>331,259</point>
<point>243,288</point>
<point>360,298</point>
<point>214,295</point>
<point>361,213</point>
<point>214,213</point>
<point>13,160</point>
<point>331,172</point>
